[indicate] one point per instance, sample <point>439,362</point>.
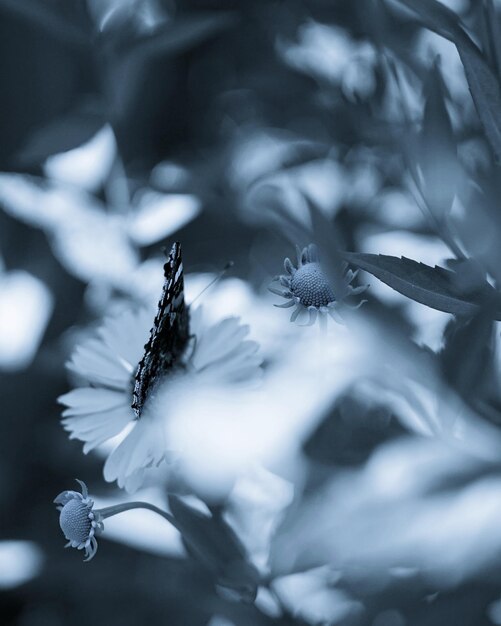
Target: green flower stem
<point>127,506</point>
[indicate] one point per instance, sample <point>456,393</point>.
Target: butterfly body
<point>169,335</point>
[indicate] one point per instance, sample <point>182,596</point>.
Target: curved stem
<point>127,506</point>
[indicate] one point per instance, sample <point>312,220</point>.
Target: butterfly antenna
<point>228,266</point>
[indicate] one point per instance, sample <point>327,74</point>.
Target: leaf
<point>467,353</point>
<point>438,149</point>
<point>483,84</point>
<point>479,230</point>
<point>351,431</point>
<point>363,527</point>
<point>61,135</point>
<point>210,540</point>
<point>437,18</point>
<point>158,215</point>
<point>293,154</point>
<point>435,287</point>
<point>493,35</point>
<point>486,93</point>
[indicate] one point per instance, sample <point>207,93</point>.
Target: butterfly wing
<point>169,334</point>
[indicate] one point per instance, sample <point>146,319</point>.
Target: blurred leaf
<point>435,287</point>
<point>89,242</point>
<point>438,150</point>
<point>327,241</point>
<point>43,16</point>
<point>26,306</point>
<point>490,36</point>
<point>479,230</point>
<point>185,33</point>
<point>467,353</point>
<point>416,504</point>
<point>175,38</point>
<point>61,135</point>
<point>293,155</point>
<point>438,18</point>
<point>351,431</point>
<point>469,276</point>
<point>210,540</point>
<point>486,93</point>
<point>158,215</point>
<point>484,86</point>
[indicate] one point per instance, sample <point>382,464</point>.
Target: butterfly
<point>169,335</point>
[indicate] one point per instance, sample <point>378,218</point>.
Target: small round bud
<point>306,287</point>
<point>78,521</point>
<point>310,285</point>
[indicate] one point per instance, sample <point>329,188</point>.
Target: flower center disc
<point>310,285</point>
<point>74,521</point>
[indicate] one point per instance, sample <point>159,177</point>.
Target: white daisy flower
<point>107,363</point>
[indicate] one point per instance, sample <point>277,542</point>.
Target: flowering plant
<point>326,454</point>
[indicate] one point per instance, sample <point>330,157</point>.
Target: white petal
<point>143,447</point>
<point>95,362</point>
<point>91,400</point>
<point>233,371</point>
<point>244,353</point>
<point>96,428</point>
<point>221,350</point>
<point>126,334</point>
<point>217,341</point>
